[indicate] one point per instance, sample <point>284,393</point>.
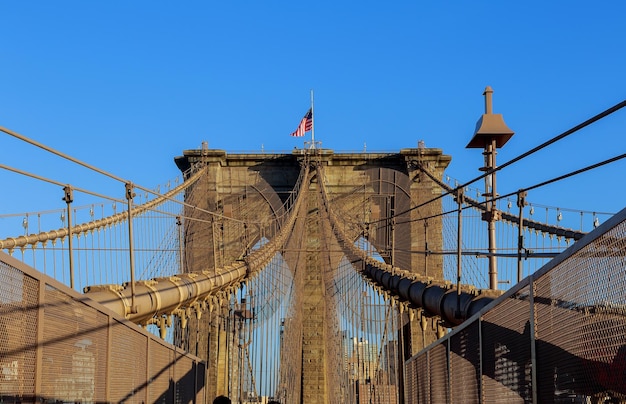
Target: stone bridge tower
<point>370,186</point>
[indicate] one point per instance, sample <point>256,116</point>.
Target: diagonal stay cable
<point>564,176</point>
<point>60,154</point>
<point>50,181</point>
<point>568,132</point>
<point>93,168</point>
<point>530,188</point>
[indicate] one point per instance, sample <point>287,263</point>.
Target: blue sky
<point>127,86</point>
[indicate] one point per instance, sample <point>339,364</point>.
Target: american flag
<point>306,124</point>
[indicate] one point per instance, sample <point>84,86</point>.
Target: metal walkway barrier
<point>56,345</point>
<point>558,336</point>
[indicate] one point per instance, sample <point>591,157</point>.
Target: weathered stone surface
<point>368,186</point>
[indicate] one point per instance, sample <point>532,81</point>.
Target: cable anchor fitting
<point>68,196</point>
<point>129,191</point>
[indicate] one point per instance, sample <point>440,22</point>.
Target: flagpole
<point>312,123</point>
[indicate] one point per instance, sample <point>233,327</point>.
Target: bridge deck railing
<point>56,345</point>
<point>560,334</point>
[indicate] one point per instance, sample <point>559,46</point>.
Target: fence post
<point>459,230</point>
<point>480,359</point>
<point>69,198</point>
<point>533,326</point>
<point>449,371</point>
<point>521,202</point>
<point>179,224</point>
<point>40,336</point>
<point>109,357</point>
<point>129,198</point>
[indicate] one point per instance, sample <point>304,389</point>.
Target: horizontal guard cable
<point>546,228</point>
<point>40,178</point>
<point>547,143</point>
<point>436,298</point>
<point>197,286</point>
<point>60,154</point>
<point>43,237</point>
<point>22,241</point>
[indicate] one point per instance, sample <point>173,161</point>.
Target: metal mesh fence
<point>57,346</point>
<point>559,336</point>
<point>465,374</point>
<point>18,332</point>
